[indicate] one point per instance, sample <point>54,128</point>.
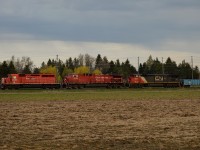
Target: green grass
<point>100,94</point>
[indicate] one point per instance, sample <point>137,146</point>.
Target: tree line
<point>85,64</point>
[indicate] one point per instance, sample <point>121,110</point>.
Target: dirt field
<point>100,124</point>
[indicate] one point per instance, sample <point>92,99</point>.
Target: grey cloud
<point>146,22</point>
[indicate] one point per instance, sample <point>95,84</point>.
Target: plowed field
<point>100,124</point>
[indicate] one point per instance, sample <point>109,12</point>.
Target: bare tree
<point>21,64</point>
<point>89,61</point>
<point>81,59</point>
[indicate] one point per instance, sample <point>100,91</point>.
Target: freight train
<point>48,81</point>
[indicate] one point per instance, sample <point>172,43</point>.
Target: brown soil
<point>127,124</point>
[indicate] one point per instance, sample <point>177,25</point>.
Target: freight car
<point>91,80</point>
<point>154,80</point>
<point>16,81</point>
<point>190,82</point>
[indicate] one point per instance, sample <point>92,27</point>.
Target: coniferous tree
<point>149,64</point>
<point>145,68</point>
<point>105,65</point>
<point>170,67</point>
<point>70,64</point>
<point>4,69</point>
<point>11,68</point>
<point>185,71</point>
<point>49,63</point>
<point>196,73</point>
<point>156,67</point>
<point>99,62</point>
<point>36,71</point>
<point>127,69</point>
<point>26,70</point>
<point>112,67</point>
<point>118,67</point>
<point>141,69</point>
<point>76,63</point>
<point>43,65</point>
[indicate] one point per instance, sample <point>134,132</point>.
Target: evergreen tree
<point>105,65</point>
<point>196,73</point>
<point>185,71</point>
<point>26,70</point>
<point>11,68</point>
<point>118,67</point>
<point>43,65</point>
<point>149,63</point>
<point>170,67</point>
<point>141,69</point>
<point>4,70</point>
<point>76,62</point>
<point>112,67</point>
<point>53,62</point>
<point>145,68</point>
<point>49,63</point>
<point>61,69</point>
<point>70,64</point>
<point>127,69</point>
<point>117,63</point>
<point>36,71</point>
<point>99,62</point>
<point>156,67</point>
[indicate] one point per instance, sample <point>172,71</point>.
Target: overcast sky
<point>42,29</point>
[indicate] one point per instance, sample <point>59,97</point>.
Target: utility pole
<point>56,58</point>
<point>138,65</point>
<point>192,66</point>
<point>199,74</point>
<point>57,68</point>
<point>163,71</point>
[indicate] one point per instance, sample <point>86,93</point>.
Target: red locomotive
<point>91,80</point>
<point>136,81</point>
<point>29,81</point>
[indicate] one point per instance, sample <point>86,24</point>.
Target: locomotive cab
<point>137,81</point>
